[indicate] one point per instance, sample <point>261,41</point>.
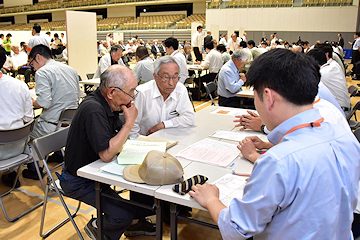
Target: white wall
<point>313,19</point>
<point>81,40</point>
<point>10,3</point>
<point>122,11</point>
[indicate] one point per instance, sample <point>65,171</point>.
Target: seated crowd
<point>300,95</point>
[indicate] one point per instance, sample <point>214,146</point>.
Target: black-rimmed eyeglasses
<point>136,92</point>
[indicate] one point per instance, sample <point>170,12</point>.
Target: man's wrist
<point>262,128</point>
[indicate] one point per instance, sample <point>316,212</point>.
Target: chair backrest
<point>353,90</point>
<point>51,142</point>
<point>210,87</point>
<point>357,134</point>
<point>66,116</point>
<point>16,134</point>
<point>353,111</point>
<point>90,75</point>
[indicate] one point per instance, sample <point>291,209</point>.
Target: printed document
<point>230,186</point>
<point>210,151</point>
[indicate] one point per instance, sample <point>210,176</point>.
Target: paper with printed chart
<point>230,186</point>
<point>210,151</point>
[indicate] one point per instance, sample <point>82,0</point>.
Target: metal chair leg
<point>23,213</point>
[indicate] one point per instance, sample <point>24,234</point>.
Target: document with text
<point>210,151</point>
<point>135,151</point>
<point>236,135</point>
<point>230,186</point>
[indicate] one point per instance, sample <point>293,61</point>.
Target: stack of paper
<point>210,151</point>
<point>169,143</point>
<point>135,151</point>
<point>237,135</point>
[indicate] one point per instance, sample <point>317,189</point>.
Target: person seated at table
<point>19,62</point>
<point>171,48</point>
<point>224,54</point>
<point>188,57</point>
<point>144,68</point>
<point>307,184</point>
<point>163,102</point>
<point>96,132</point>
<point>230,80</point>
<point>111,58</point>
<point>57,88</point>
<point>16,110</point>
<point>213,62</point>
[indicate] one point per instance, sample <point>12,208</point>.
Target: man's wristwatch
<point>263,129</point>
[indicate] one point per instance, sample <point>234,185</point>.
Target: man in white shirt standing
<point>37,39</point>
<point>16,109</point>
<point>213,62</point>
<point>171,48</point>
<point>114,57</point>
<point>163,102</point>
<point>144,68</point>
<point>197,42</point>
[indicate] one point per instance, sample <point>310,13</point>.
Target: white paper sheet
<point>210,151</point>
<point>236,135</point>
<point>230,186</point>
<point>134,151</point>
<point>230,112</point>
<point>114,168</point>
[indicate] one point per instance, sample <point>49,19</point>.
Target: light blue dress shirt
<point>302,188</point>
<point>229,82</point>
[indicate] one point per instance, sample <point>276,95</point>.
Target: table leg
<point>98,190</point>
<point>173,221</point>
<point>159,220</point>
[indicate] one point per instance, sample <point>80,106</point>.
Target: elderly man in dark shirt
<point>97,132</point>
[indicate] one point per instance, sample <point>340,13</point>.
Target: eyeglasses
<point>132,96</point>
<point>166,78</point>
<point>31,62</point>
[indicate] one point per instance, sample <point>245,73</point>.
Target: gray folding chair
<point>210,90</point>
<point>16,137</point>
<point>357,134</point>
<point>353,123</point>
<point>188,81</point>
<point>43,147</point>
<point>353,90</point>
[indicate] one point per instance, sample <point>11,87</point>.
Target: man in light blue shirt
<point>230,80</point>
<point>144,69</point>
<point>305,187</point>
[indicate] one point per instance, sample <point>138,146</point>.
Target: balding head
<point>117,85</point>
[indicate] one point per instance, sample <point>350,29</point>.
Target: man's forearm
<point>115,144</point>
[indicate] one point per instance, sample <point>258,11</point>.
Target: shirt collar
<point>97,94</point>
<point>232,65</point>
<point>174,52</point>
<point>304,117</point>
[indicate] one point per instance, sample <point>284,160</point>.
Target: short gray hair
<point>114,76</point>
<point>240,54</point>
<point>163,60</point>
<point>115,48</point>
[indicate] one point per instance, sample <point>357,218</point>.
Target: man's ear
<point>269,98</point>
<point>110,93</point>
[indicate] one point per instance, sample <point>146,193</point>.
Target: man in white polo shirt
<point>163,102</point>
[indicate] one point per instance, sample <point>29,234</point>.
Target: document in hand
<point>134,151</point>
<point>230,186</point>
<point>210,151</point>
